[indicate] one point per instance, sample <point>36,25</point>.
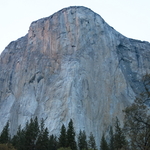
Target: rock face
<point>71,65</point>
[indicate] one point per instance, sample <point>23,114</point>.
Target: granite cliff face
<point>71,65</point>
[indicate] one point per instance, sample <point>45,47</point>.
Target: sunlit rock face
<point>71,65</point>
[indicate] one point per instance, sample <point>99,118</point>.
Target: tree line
<point>35,136</point>
<point>134,135</point>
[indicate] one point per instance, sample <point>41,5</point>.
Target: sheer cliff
<point>71,65</point>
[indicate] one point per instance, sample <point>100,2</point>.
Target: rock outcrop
<point>71,65</point>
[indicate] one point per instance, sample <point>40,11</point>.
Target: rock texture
<point>71,65</point>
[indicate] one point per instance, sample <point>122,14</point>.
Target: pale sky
<point>129,17</point>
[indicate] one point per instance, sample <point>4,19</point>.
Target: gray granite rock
<point>71,65</point>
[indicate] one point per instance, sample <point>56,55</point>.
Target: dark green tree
<point>53,143</point>
<point>71,136</point>
<point>111,142</point>
<point>62,140</point>
<point>103,144</point>
<point>43,137</point>
<point>91,142</point>
<point>18,140</point>
<point>31,134</point>
<point>5,136</point>
<point>82,141</point>
<point>119,136</point>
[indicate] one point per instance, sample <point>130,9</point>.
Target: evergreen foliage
<point>91,142</point>
<point>4,136</point>
<point>119,137</point>
<point>82,142</point>
<point>71,142</point>
<point>111,135</point>
<point>43,137</point>
<point>18,140</point>
<point>53,143</point>
<point>63,137</point>
<point>36,137</point>
<point>103,144</point>
<point>31,134</point>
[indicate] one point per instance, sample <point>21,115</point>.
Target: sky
<point>129,17</point>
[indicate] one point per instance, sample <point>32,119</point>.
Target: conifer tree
<point>71,136</point>
<point>53,143</point>
<point>18,140</point>
<point>31,133</point>
<point>111,143</point>
<point>62,140</point>
<point>119,137</point>
<point>5,136</point>
<point>103,144</point>
<point>91,142</point>
<point>82,142</point>
<point>43,139</point>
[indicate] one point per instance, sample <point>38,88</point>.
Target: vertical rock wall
<point>71,65</point>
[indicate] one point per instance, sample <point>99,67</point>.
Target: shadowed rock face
<point>71,65</point>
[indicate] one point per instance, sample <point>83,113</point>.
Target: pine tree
<point>31,133</point>
<point>18,140</point>
<point>91,142</point>
<point>5,136</point>
<point>111,143</point>
<point>43,139</point>
<point>103,144</point>
<point>53,143</point>
<point>82,142</point>
<point>119,137</point>
<point>62,140</point>
<point>71,136</point>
